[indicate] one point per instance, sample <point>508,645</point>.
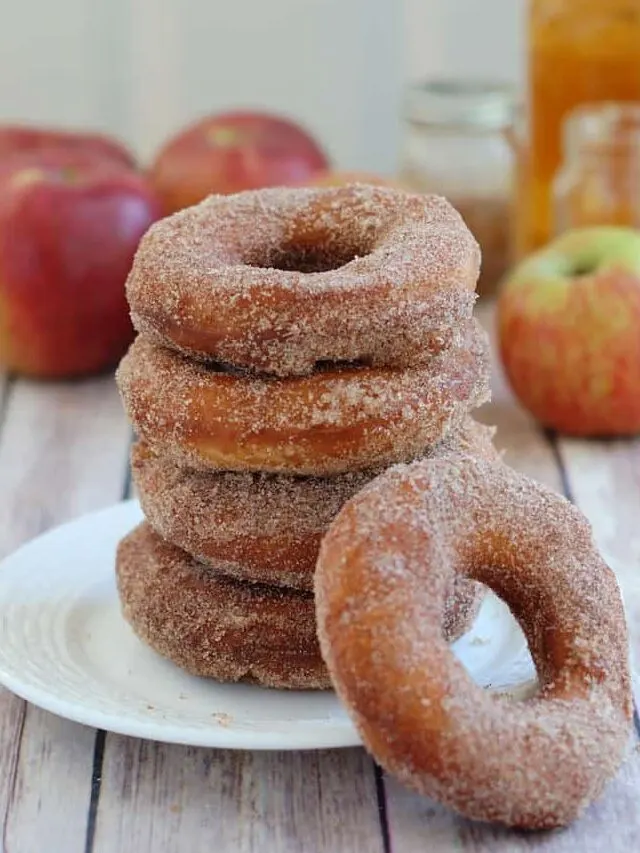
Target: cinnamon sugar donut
<point>213,626</point>
<point>262,528</point>
<point>277,280</point>
<point>384,570</point>
<point>330,422</point>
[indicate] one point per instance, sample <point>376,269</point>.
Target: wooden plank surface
<point>299,802</point>
<point>62,452</point>
<point>604,480</point>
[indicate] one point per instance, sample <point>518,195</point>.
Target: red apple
<point>68,234</point>
<point>17,139</point>
<point>569,329</point>
<point>232,152</point>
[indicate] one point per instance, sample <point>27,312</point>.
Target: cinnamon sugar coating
<point>263,528</point>
<point>213,626</point>
<point>277,280</point>
<point>383,573</point>
<point>345,419</point>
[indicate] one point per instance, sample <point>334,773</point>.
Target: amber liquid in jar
<point>580,51</point>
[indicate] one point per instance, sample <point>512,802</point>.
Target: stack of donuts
<point>293,344</point>
<point>295,348</point>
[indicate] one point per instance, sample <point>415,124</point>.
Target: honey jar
<point>579,52</point>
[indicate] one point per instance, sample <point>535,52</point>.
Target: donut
<point>332,421</point>
<point>262,528</point>
<point>214,626</point>
<point>384,569</point>
<point>278,280</point>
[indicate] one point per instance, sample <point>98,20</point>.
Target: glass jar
<point>599,182</point>
<point>457,145</point>
<point>579,52</point>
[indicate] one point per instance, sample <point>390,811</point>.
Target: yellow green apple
<point>569,332</point>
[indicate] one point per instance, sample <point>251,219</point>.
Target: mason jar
<point>458,143</point>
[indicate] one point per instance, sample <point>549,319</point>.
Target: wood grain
<point>62,452</point>
<point>609,826</point>
<point>604,479</point>
<point>155,797</point>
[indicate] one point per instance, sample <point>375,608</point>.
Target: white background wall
<point>463,37</point>
<point>142,68</point>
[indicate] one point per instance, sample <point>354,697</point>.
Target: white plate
<point>65,647</point>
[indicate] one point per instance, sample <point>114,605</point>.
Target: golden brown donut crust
<point>262,528</point>
<point>330,422</point>
<point>214,626</point>
<point>383,573</point>
<point>277,280</point>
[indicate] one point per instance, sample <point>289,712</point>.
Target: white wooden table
<point>65,788</point>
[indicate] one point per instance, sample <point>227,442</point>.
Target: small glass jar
<point>599,181</point>
<point>457,144</point>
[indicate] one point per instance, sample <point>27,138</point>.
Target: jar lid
<point>461,103</point>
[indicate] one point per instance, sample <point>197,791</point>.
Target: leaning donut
<point>384,569</point>
<point>330,422</point>
<point>262,528</point>
<point>278,280</point>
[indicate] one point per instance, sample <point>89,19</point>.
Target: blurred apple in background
<point>232,152</point>
<point>69,228</point>
<point>17,139</point>
<point>569,329</point>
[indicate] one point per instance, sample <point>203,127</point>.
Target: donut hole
<point>495,651</point>
<point>309,257</point>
